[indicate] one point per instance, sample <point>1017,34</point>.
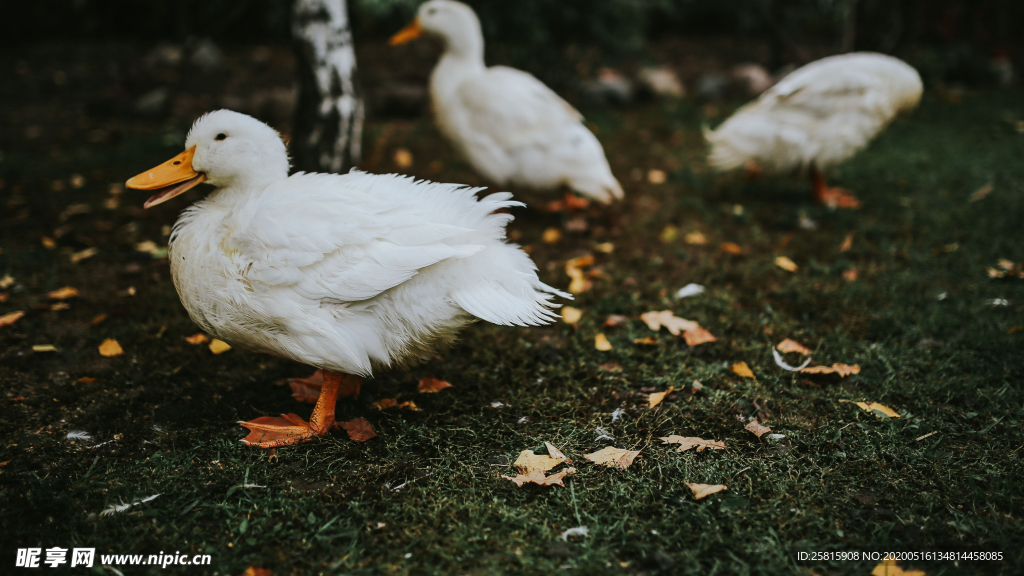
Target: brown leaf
<point>4,296</point>
<point>786,264</point>
<point>110,348</point>
<point>757,428</point>
<point>788,345</point>
<point>841,369</point>
<point>431,385</point>
<point>611,367</point>
<point>197,338</point>
<point>553,451</point>
<point>574,269</point>
<point>742,369</point>
<point>86,380</point>
<point>613,457</point>
<point>656,398</point>
<point>219,346</point>
<point>980,193</point>
<point>695,238</point>
<point>99,319</point>
<point>358,429</point>
<point>646,341</point>
<point>685,443</point>
<point>675,325</point>
<point>847,243</point>
<point>8,319</point>
<point>704,490</point>
<point>551,236</point>
<point>614,320</point>
<point>698,336</point>
<point>528,461</point>
<point>538,477</point>
<point>87,253</point>
<point>880,410</point>
<point>254,571</point>
<point>63,293</point>
<point>601,343</point>
<point>385,403</point>
<point>850,275</point>
<point>889,568</point>
<point>731,248</point>
<point>571,315</point>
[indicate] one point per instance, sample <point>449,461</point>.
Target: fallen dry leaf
<point>698,336</point>
<point>538,477</point>
<point>786,264</point>
<point>742,369</point>
<point>655,176</point>
<point>571,315</point>
<point>889,568</point>
<point>601,342</point>
<point>656,398</point>
<point>788,345</point>
<point>385,403</point>
<point>553,451</point>
<point>574,269</point>
<point>403,158</point>
<point>44,348</point>
<point>614,320</point>
<point>850,275</point>
<point>757,428</point>
<point>551,236</point>
<point>605,247</point>
<point>687,442</point>
<point>1006,269</point>
<point>668,233</point>
<point>197,338</point>
<point>880,410</point>
<point>695,238</point>
<point>87,253</point>
<point>254,571</point>
<point>980,193</point>
<point>358,429</point>
<point>431,385</point>
<point>219,346</point>
<point>646,341</point>
<point>11,318</point>
<point>613,457</point>
<point>847,243</point>
<point>6,281</point>
<point>63,293</point>
<point>58,306</point>
<point>98,319</point>
<point>842,370</point>
<point>704,490</point>
<point>528,461</point>
<point>731,248</point>
<point>110,348</point>
<point>4,296</point>
<point>86,380</point>
<point>675,325</point>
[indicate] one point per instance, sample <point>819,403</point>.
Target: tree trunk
<point>329,112</point>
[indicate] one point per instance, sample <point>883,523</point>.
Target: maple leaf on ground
<point>197,338</point>
<point>656,398</point>
<point>110,348</point>
<point>757,428</point>
<point>63,293</point>
<point>788,345</point>
<point>358,429</point>
<point>554,452</point>
<point>701,491</point>
<point>601,343</point>
<point>8,319</point>
<point>538,477</point>
<point>431,385</point>
<point>528,461</point>
<point>613,457</point>
<point>889,568</point>
<point>687,442</point>
<point>571,315</point>
<point>219,346</point>
<point>786,264</point>
<point>741,369</point>
<point>842,370</point>
<point>880,410</point>
<point>675,325</point>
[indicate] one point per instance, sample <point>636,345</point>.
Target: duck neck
<point>240,187</point>
<point>461,59</point>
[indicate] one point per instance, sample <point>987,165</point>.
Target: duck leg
<point>833,197</point>
<point>307,389</point>
<point>274,431</point>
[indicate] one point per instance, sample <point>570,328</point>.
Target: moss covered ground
<point>425,497</point>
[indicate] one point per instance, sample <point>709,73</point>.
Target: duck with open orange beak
<point>168,179</point>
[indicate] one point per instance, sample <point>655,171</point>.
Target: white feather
<point>820,115</point>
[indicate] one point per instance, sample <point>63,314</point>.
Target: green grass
<point>841,479</point>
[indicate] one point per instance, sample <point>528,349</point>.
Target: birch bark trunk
<point>329,112</point>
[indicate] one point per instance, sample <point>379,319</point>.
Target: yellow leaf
<point>605,247</point>
<point>656,398</point>
<point>553,451</point>
<point>655,176</point>
<point>551,235</point>
<point>98,319</point>
<point>574,269</point>
<point>601,342</point>
<point>675,325</point>
<point>197,338</point>
<point>147,246</point>
<point>847,243</point>
<point>403,158</point>
<point>110,348</point>
<point>385,403</point>
<point>668,234</point>
<point>731,248</point>
<point>8,319</point>
<point>685,443</point>
<point>742,369</point>
<point>875,408</point>
<point>704,490</point>
<point>696,238</point>
<point>44,348</point>
<point>571,315</point>
<point>613,457</point>
<point>538,477</point>
<point>528,461</point>
<point>698,336</point>
<point>219,346</point>
<point>63,293</point>
<point>841,369</point>
<point>889,568</point>
<point>49,243</point>
<point>757,428</point>
<point>786,264</point>
<point>788,345</point>
<point>646,340</point>
<point>87,253</point>
<point>980,193</point>
<point>431,385</point>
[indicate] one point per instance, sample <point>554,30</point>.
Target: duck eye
<point>176,162</point>
<point>221,136</point>
<point>431,11</point>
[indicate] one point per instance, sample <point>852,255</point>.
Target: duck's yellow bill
<point>407,34</point>
<point>169,179</point>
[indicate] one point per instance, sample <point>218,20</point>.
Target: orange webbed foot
<point>308,389</point>
<point>274,431</point>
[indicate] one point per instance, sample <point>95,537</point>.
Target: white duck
<point>510,126</point>
<point>816,117</point>
<point>347,273</point>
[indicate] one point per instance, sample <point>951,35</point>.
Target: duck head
<point>453,22</point>
<point>223,148</point>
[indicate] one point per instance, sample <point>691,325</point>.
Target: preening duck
<point>347,273</point>
<point>816,117</point>
<point>510,126</point>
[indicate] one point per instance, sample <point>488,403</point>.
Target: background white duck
<point>510,126</point>
<point>816,117</point>
<point>347,273</point>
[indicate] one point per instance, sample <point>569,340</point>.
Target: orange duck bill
<point>168,179</point>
